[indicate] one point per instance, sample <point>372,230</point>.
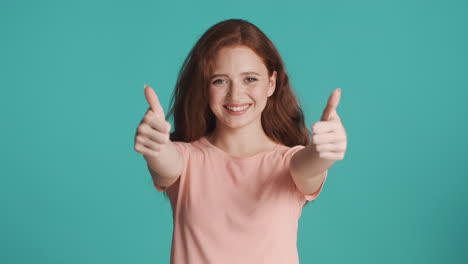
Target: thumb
<point>153,101</point>
<point>333,101</point>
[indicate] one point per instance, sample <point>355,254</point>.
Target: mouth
<point>237,108</point>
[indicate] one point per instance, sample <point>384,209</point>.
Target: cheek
<point>260,93</point>
<point>215,96</point>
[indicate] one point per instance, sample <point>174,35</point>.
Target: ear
<point>272,85</point>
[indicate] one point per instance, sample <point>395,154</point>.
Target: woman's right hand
<point>152,134</point>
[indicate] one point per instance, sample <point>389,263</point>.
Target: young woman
<point>239,166</point>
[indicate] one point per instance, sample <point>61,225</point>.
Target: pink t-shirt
<point>229,209</point>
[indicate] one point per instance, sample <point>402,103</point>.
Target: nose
<point>235,91</point>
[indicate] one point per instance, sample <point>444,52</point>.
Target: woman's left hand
<point>329,134</point>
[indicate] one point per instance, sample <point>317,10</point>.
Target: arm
<point>308,170</point>
<point>165,162</point>
<point>309,165</point>
<point>166,168</point>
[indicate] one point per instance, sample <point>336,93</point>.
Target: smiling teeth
<point>237,109</point>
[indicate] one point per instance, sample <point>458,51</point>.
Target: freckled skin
<point>239,89</point>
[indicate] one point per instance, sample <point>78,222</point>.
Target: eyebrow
<point>243,73</point>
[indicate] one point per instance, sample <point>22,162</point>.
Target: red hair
<point>282,119</point>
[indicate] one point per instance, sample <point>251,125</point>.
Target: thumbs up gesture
<point>152,134</point>
<point>329,134</point>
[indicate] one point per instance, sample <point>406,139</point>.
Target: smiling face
<point>239,87</point>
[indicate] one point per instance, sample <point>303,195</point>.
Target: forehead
<point>234,60</point>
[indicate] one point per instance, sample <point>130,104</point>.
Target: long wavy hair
<point>282,119</point>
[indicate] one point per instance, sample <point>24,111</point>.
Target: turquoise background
<point>74,190</point>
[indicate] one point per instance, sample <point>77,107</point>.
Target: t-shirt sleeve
<point>182,147</point>
<point>310,197</point>
<point>302,196</point>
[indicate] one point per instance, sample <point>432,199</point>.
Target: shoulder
<point>286,152</point>
<point>187,148</point>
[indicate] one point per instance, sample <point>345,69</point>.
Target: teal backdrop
<point>74,190</point>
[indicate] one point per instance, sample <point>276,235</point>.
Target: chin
<point>240,123</point>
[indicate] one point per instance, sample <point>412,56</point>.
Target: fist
<point>152,134</point>
<point>329,137</point>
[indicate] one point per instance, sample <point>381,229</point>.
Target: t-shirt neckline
<point>203,139</point>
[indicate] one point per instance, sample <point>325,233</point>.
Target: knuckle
<point>137,148</point>
<point>141,129</point>
<point>139,138</point>
<point>147,118</point>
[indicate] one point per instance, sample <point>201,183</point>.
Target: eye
<point>217,81</point>
<point>251,79</point>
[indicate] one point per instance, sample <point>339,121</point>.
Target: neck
<point>242,141</point>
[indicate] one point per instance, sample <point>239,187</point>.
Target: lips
<point>236,105</point>
<point>238,110</point>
